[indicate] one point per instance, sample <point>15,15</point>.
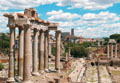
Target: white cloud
<point>92,19</point>
<point>88,4</point>
<point>61,16</point>
<point>88,25</point>
<point>98,25</point>
<point>22,4</point>
<point>3,23</point>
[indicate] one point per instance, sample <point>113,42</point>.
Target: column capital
<point>21,27</point>
<point>11,26</point>
<point>58,31</point>
<point>41,30</point>
<point>35,30</point>
<point>27,25</point>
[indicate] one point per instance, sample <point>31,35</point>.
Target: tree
<point>89,44</point>
<point>1,66</point>
<point>79,51</point>
<point>116,37</point>
<point>106,40</point>
<point>4,43</point>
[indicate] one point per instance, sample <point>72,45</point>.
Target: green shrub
<point>79,51</point>
<point>53,50</point>
<point>1,66</point>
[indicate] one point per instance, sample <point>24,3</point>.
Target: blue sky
<point>89,18</point>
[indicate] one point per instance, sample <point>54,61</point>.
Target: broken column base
<point>27,82</point>
<point>41,71</point>
<point>35,74</point>
<point>57,70</point>
<point>47,70</point>
<point>10,80</point>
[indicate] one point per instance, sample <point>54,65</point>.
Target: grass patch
<point>52,65</point>
<point>105,76</point>
<point>101,68</point>
<point>70,71</point>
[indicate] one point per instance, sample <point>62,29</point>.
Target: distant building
<point>64,35</point>
<point>72,32</point>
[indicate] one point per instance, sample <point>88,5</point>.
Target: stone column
<point>27,54</point>
<point>108,54</point>
<point>35,53</point>
<point>66,57</point>
<point>69,51</point>
<point>111,50</point>
<point>49,46</point>
<point>116,50</point>
<point>41,51</point>
<point>20,52</point>
<point>57,57</point>
<point>98,43</point>
<point>46,51</point>
<point>11,56</point>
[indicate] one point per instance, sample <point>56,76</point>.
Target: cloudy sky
<point>89,18</point>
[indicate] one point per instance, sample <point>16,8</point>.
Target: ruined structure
<point>110,51</point>
<point>28,23</point>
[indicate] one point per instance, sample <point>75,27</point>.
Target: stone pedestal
<point>46,51</point>
<point>11,56</point>
<point>20,52</point>
<point>57,57</point>
<point>35,53</point>
<point>27,54</point>
<point>41,51</point>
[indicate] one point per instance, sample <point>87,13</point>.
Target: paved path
<point>91,75</point>
<point>104,76</point>
<point>78,67</point>
<point>81,75</point>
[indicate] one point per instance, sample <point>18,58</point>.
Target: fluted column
<point>21,52</point>
<point>116,50</point>
<point>11,56</point>
<point>41,51</point>
<point>46,51</point>
<point>57,57</point>
<point>35,53</point>
<point>111,50</point>
<point>108,54</point>
<point>27,54</point>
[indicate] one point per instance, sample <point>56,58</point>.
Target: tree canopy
<point>4,43</point>
<point>116,37</point>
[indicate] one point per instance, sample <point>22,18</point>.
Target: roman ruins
<point>27,24</point>
<point>112,43</point>
<point>36,63</point>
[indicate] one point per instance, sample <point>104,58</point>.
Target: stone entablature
<point>30,17</point>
